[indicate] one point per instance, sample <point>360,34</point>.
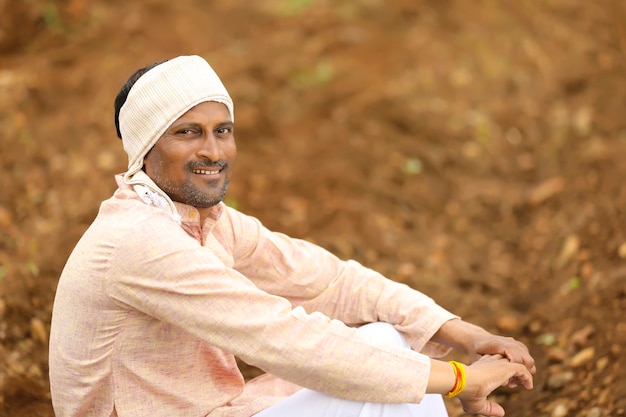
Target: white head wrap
<point>156,100</point>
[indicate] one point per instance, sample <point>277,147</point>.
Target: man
<point>169,285</point>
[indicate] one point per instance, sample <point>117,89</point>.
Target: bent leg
<point>308,403</point>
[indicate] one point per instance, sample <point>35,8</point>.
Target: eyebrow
<point>183,124</point>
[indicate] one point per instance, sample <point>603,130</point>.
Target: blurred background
<point>473,150</point>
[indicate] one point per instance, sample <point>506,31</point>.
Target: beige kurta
<point>149,316</point>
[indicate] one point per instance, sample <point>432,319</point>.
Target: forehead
<point>206,111</point>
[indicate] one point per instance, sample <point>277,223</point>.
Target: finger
<point>510,383</point>
<point>520,354</point>
<point>489,408</point>
<point>527,360</point>
<point>493,409</point>
<point>522,376</point>
<point>529,363</point>
<point>492,358</point>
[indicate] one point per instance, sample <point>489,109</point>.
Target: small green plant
<point>52,18</point>
<point>32,268</point>
<point>292,7</point>
<point>573,283</point>
<point>546,339</point>
<point>320,74</point>
<point>413,166</point>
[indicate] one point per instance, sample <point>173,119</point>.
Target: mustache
<point>206,164</point>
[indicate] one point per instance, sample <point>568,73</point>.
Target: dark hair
<point>120,99</point>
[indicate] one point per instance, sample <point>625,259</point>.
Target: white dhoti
<point>308,403</point>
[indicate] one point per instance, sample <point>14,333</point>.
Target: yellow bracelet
<point>460,381</point>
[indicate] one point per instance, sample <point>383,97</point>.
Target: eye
<point>185,132</point>
<point>224,131</point>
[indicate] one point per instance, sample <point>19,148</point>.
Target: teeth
<point>202,171</point>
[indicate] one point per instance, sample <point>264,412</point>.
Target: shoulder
<point>236,228</point>
<point>131,221</point>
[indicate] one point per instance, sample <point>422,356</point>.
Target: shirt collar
<point>191,215</point>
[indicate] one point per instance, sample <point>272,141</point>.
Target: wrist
<point>442,377</point>
<point>459,335</point>
<point>460,379</point>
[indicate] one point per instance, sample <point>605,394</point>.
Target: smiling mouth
<point>206,171</point>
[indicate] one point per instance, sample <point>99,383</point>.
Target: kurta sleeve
<point>178,281</point>
<point>315,279</point>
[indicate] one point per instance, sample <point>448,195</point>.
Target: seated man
<point>169,285</point>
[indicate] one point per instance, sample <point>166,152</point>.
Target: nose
<point>210,148</point>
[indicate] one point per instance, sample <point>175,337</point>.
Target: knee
<point>383,333</point>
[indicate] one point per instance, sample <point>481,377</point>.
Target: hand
<point>511,349</point>
<point>485,375</point>
<point>476,341</point>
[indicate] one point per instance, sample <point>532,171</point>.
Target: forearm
<point>459,334</point>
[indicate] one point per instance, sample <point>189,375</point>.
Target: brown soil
<point>475,150</point>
